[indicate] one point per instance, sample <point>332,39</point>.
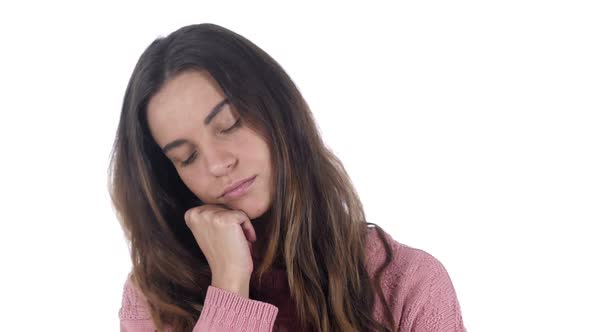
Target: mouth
<point>238,188</point>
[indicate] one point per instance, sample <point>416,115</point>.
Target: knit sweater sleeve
<point>222,311</point>
<point>430,299</point>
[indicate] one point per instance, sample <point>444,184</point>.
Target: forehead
<point>190,90</point>
<point>181,104</point>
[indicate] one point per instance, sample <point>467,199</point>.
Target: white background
<point>463,124</point>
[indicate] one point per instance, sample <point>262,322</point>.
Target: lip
<point>238,188</point>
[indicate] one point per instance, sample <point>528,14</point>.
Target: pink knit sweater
<point>416,285</point>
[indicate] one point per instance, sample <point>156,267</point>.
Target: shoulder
<point>406,260</point>
<point>133,303</point>
<point>416,285</point>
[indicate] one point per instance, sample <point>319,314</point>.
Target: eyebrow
<point>178,142</point>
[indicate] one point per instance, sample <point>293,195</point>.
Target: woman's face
<point>210,147</point>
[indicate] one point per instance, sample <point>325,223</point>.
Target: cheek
<point>196,185</point>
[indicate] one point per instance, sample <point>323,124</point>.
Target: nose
<point>220,162</point>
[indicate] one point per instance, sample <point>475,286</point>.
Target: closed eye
<point>235,125</point>
<point>193,155</point>
<point>190,159</point>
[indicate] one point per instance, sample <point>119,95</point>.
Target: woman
<point>239,217</point>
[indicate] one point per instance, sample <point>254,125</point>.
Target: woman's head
<point>208,143</point>
<point>239,116</point>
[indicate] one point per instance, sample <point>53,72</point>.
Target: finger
<point>187,215</point>
<point>249,230</point>
<point>247,226</point>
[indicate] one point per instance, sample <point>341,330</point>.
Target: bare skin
<point>225,237</point>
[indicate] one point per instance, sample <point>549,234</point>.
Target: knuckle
<point>190,216</point>
<point>240,215</point>
<point>187,215</point>
<point>219,217</point>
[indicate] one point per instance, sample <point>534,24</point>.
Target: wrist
<point>240,286</point>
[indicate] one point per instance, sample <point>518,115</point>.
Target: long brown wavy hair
<point>316,224</point>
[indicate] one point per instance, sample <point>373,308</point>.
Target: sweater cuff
<point>221,298</point>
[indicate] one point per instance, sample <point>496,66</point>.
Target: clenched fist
<point>225,238</point>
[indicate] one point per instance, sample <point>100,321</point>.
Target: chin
<point>253,210</point>
<point>255,213</point>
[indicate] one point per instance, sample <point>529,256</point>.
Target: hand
<point>224,237</point>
